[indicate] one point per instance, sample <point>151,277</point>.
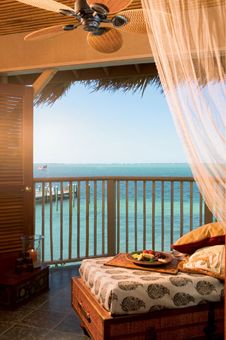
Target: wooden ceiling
<point>16,17</point>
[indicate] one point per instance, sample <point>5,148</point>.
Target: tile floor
<point>48,316</point>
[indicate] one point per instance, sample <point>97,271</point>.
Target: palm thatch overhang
<point>134,77</point>
<point>109,79</point>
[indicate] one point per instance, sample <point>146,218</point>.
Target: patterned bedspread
<point>128,291</point>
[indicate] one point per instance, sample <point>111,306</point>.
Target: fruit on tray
<point>150,256</point>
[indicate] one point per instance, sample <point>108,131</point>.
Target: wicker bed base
<point>200,322</point>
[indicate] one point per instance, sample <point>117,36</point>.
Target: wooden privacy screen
<point>16,165</point>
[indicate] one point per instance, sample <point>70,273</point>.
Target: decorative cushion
<point>207,260</point>
<point>207,235</point>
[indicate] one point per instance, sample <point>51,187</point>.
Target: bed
<point>122,303</point>
<point>118,299</point>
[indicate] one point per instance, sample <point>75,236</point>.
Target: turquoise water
<point>80,170</point>
<point>158,170</point>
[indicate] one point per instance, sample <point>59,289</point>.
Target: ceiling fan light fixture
<point>100,8</point>
<point>67,12</point>
<point>69,27</point>
<point>119,21</point>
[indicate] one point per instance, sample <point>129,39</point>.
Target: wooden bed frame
<point>204,321</point>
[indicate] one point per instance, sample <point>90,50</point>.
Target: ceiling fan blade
<point>49,5</point>
<point>113,6</point>
<point>136,22</point>
<point>45,33</point>
<point>108,42</point>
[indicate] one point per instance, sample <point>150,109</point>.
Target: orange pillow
<point>210,234</point>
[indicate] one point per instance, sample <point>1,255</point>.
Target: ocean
<point>125,243</point>
<point>81,170</point>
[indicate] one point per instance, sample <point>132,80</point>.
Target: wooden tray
<point>121,260</point>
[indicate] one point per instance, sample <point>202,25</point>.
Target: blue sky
<point>106,127</point>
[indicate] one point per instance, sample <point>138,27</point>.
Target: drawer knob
<point>84,312</point>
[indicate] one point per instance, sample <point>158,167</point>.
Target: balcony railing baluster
<point>135,214</point>
<point>61,221</point>
<point>70,220</point>
<point>111,213</point>
<point>78,219</point>
<point>191,205</point>
<point>95,218</point>
<point>103,217</point>
<point>144,215</point>
<point>162,214</point>
<point>118,216</point>
<point>153,214</point>
<point>181,208</point>
<point>200,209</point>
<point>43,218</point>
<point>127,217</point>
<point>51,220</point>
<point>87,217</point>
<point>172,212</point>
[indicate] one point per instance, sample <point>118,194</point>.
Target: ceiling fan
<point>96,17</point>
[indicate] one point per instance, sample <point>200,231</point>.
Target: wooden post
<point>111,222</point>
<point>208,216</point>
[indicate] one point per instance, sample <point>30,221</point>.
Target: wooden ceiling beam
<point>75,74</point>
<point>137,67</point>
<point>43,80</point>
<point>106,71</point>
<point>66,52</point>
<point>111,72</point>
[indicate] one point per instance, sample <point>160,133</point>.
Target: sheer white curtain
<point>188,41</point>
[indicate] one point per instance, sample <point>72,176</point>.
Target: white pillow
<point>208,260</point>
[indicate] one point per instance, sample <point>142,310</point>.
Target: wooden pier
<point>56,194</point>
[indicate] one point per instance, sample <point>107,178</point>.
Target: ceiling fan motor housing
<point>90,17</point>
<point>91,24</point>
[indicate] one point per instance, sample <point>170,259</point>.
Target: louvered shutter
<point>16,165</point>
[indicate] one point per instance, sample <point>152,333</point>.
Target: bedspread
<point>128,291</point>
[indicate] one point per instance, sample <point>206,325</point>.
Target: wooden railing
<point>98,216</point>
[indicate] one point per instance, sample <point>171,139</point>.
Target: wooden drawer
<point>186,323</point>
<point>88,309</point>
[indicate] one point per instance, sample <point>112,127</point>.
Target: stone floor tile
<point>70,324</point>
<point>57,303</point>
<point>55,335</point>
<point>16,314</point>
<point>43,319</point>
<point>38,301</point>
<point>5,325</point>
<point>19,332</point>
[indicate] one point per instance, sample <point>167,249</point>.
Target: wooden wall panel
<point>16,164</point>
